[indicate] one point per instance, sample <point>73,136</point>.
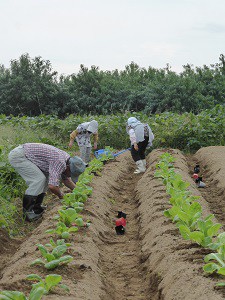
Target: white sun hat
<point>93,126</point>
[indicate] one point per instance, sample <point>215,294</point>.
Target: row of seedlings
<point>186,213</point>
<point>68,221</point>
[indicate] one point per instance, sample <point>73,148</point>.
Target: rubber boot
<point>140,167</point>
<point>144,163</point>
<point>38,207</point>
<point>28,208</point>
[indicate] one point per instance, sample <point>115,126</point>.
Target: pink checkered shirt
<point>49,159</point>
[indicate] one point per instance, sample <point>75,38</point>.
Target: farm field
<point>151,260</point>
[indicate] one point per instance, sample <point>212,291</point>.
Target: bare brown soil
<point>151,261</point>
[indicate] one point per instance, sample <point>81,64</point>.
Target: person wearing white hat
<point>82,134</point>
<point>141,137</point>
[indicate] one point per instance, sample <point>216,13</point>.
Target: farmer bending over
<point>141,137</point>
<point>82,135</point>
<point>43,166</point>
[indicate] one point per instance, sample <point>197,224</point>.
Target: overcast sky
<point>112,33</point>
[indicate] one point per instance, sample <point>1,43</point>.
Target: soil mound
<point>151,260</point>
<point>8,247</point>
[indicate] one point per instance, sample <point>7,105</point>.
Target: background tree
<point>31,87</point>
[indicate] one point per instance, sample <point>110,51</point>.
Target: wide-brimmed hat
<point>77,167</point>
<point>93,126</point>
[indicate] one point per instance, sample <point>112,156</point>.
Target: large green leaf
<point>210,268</point>
<point>212,231</point>
<point>37,293</point>
<point>52,280</point>
<point>34,277</point>
<point>59,251</point>
<point>12,295</point>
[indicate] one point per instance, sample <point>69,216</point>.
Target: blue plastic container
<point>101,152</point>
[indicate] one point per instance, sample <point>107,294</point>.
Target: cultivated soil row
<point>151,261</point>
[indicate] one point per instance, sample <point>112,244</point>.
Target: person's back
<point>141,136</point>
<point>148,133</point>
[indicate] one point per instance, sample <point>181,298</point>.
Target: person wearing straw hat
<point>82,134</point>
<point>43,166</point>
<point>141,137</point>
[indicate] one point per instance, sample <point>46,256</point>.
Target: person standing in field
<point>82,134</point>
<point>141,137</point>
<point>43,166</point>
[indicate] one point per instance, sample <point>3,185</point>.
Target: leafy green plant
<point>70,203</point>
<point>69,216</point>
<point>35,294</point>
<point>82,188</point>
<point>95,166</point>
<point>216,261</point>
<point>52,259</point>
<point>53,245</point>
<point>48,283</point>
<point>62,230</point>
<point>85,178</point>
<point>205,231</point>
<point>218,264</point>
<point>186,212</point>
<point>188,215</point>
<point>78,195</point>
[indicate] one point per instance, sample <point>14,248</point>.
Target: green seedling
<point>206,230</point>
<point>167,158</point>
<point>164,172</point>
<point>85,178</point>
<point>217,265</point>
<point>95,166</point>
<point>35,294</point>
<point>68,203</point>
<point>108,154</point>
<point>178,197</point>
<point>177,183</point>
<point>78,195</point>
<point>68,217</point>
<point>53,245</point>
<point>48,283</point>
<point>216,261</point>
<point>188,215</point>
<point>219,244</point>
<point>83,188</point>
<point>52,260</point>
<point>62,230</point>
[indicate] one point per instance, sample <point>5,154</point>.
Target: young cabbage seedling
<point>62,230</point>
<point>48,283</point>
<point>53,245</point>
<point>52,260</point>
<point>68,216</point>
<point>35,294</point>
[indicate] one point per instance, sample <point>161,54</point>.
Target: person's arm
<point>95,140</point>
<point>69,183</point>
<point>56,190</point>
<point>72,137</point>
<point>133,138</point>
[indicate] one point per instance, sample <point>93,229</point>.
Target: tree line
<point>31,87</point>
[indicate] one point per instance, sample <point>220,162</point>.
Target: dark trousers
<point>140,154</point>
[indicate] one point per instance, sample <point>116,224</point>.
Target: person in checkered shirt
<point>43,167</point>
